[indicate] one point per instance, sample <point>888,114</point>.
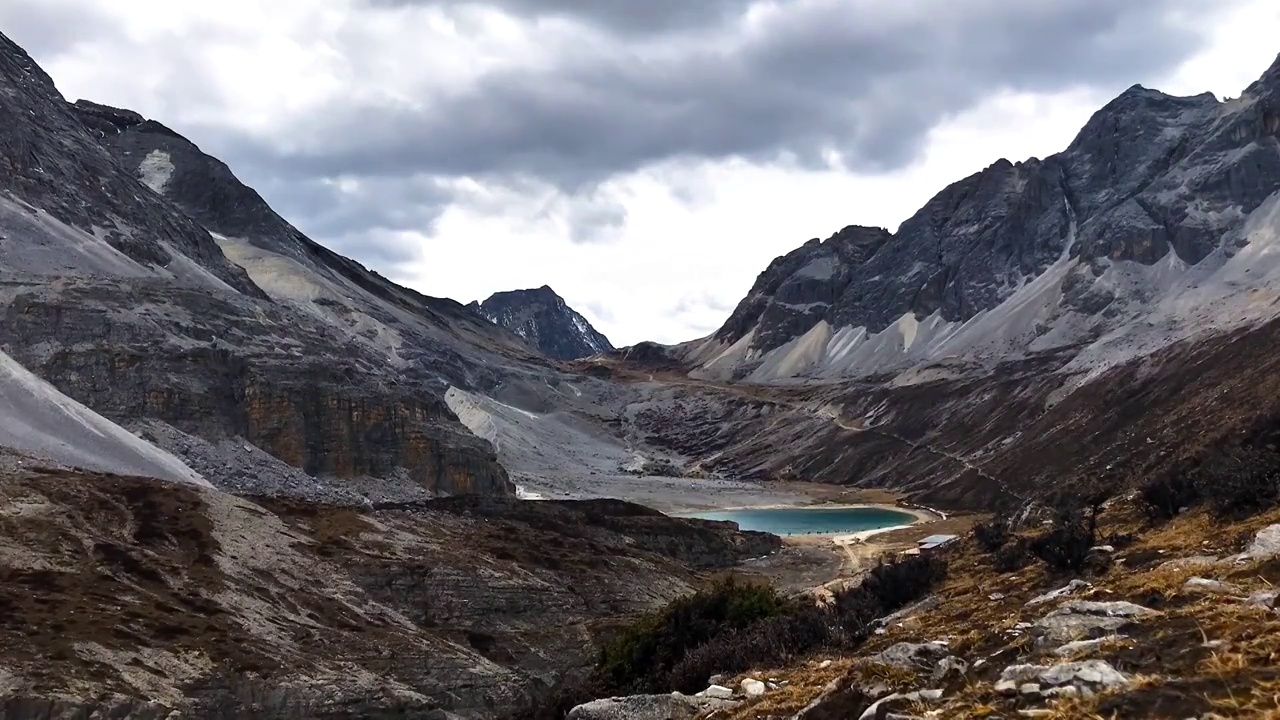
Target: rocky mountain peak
<point>1268,84</point>
<point>1028,256</point>
<point>545,321</point>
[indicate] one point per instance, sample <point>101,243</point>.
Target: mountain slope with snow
<point>1099,247</point>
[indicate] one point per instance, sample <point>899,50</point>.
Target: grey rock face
<point>52,170</point>
<point>545,322</point>
<point>1149,174</point>
<point>801,288</point>
<point>116,292</point>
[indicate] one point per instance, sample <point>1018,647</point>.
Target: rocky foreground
<point>1168,620</point>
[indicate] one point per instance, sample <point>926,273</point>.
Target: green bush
<point>993,534</point>
<point>1233,481</point>
<point>1240,481</point>
<point>1065,548</point>
<point>1166,496</point>
<point>641,659</point>
<point>1012,556</point>
<point>731,627</point>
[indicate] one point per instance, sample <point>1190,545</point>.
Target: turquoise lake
<point>809,520</point>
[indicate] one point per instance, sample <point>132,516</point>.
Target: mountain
<point>143,280</point>
<point>232,479</point>
<point>1152,226</point>
<point>545,321</point>
<point>242,475</point>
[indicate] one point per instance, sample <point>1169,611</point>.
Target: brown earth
<point>117,590</point>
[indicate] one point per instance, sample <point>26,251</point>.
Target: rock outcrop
<point>545,322</point>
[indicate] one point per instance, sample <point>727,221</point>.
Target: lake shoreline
<point>909,515</point>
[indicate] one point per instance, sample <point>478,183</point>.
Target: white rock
<point>1263,598</point>
<point>824,664</point>
<point>1082,618</point>
<point>1079,646</point>
<point>1064,691</point>
<point>1093,672</point>
<point>1029,689</point>
<point>1205,586</point>
<point>1103,549</point>
<point>719,692</point>
<point>753,688</point>
<point>949,666</point>
<point>1069,589</point>
<point>1189,563</point>
<point>919,696</point>
<point>1266,545</point>
<point>1007,687</point>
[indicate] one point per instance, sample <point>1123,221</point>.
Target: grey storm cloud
<point>864,80</point>
<point>652,84</point>
<point>623,16</point>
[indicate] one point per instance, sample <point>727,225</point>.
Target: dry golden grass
<point>1173,670</point>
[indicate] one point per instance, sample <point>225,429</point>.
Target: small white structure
<point>935,541</point>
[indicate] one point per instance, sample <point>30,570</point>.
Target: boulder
<point>646,707</point>
<point>1193,562</point>
<point>839,701</point>
<point>1263,598</point>
<point>1265,545</point>
<point>1070,588</point>
<point>885,706</point>
<point>1086,676</point>
<point>718,692</point>
<point>753,688</point>
<point>1204,586</point>
<point>948,668</point>
<point>914,656</point>
<point>1082,619</point>
<point>1084,646</point>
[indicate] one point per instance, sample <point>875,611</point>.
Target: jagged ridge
<point>1024,257</point>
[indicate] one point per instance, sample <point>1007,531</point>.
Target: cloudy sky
<point>646,158</point>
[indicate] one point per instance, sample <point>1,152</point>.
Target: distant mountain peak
<point>545,321</point>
